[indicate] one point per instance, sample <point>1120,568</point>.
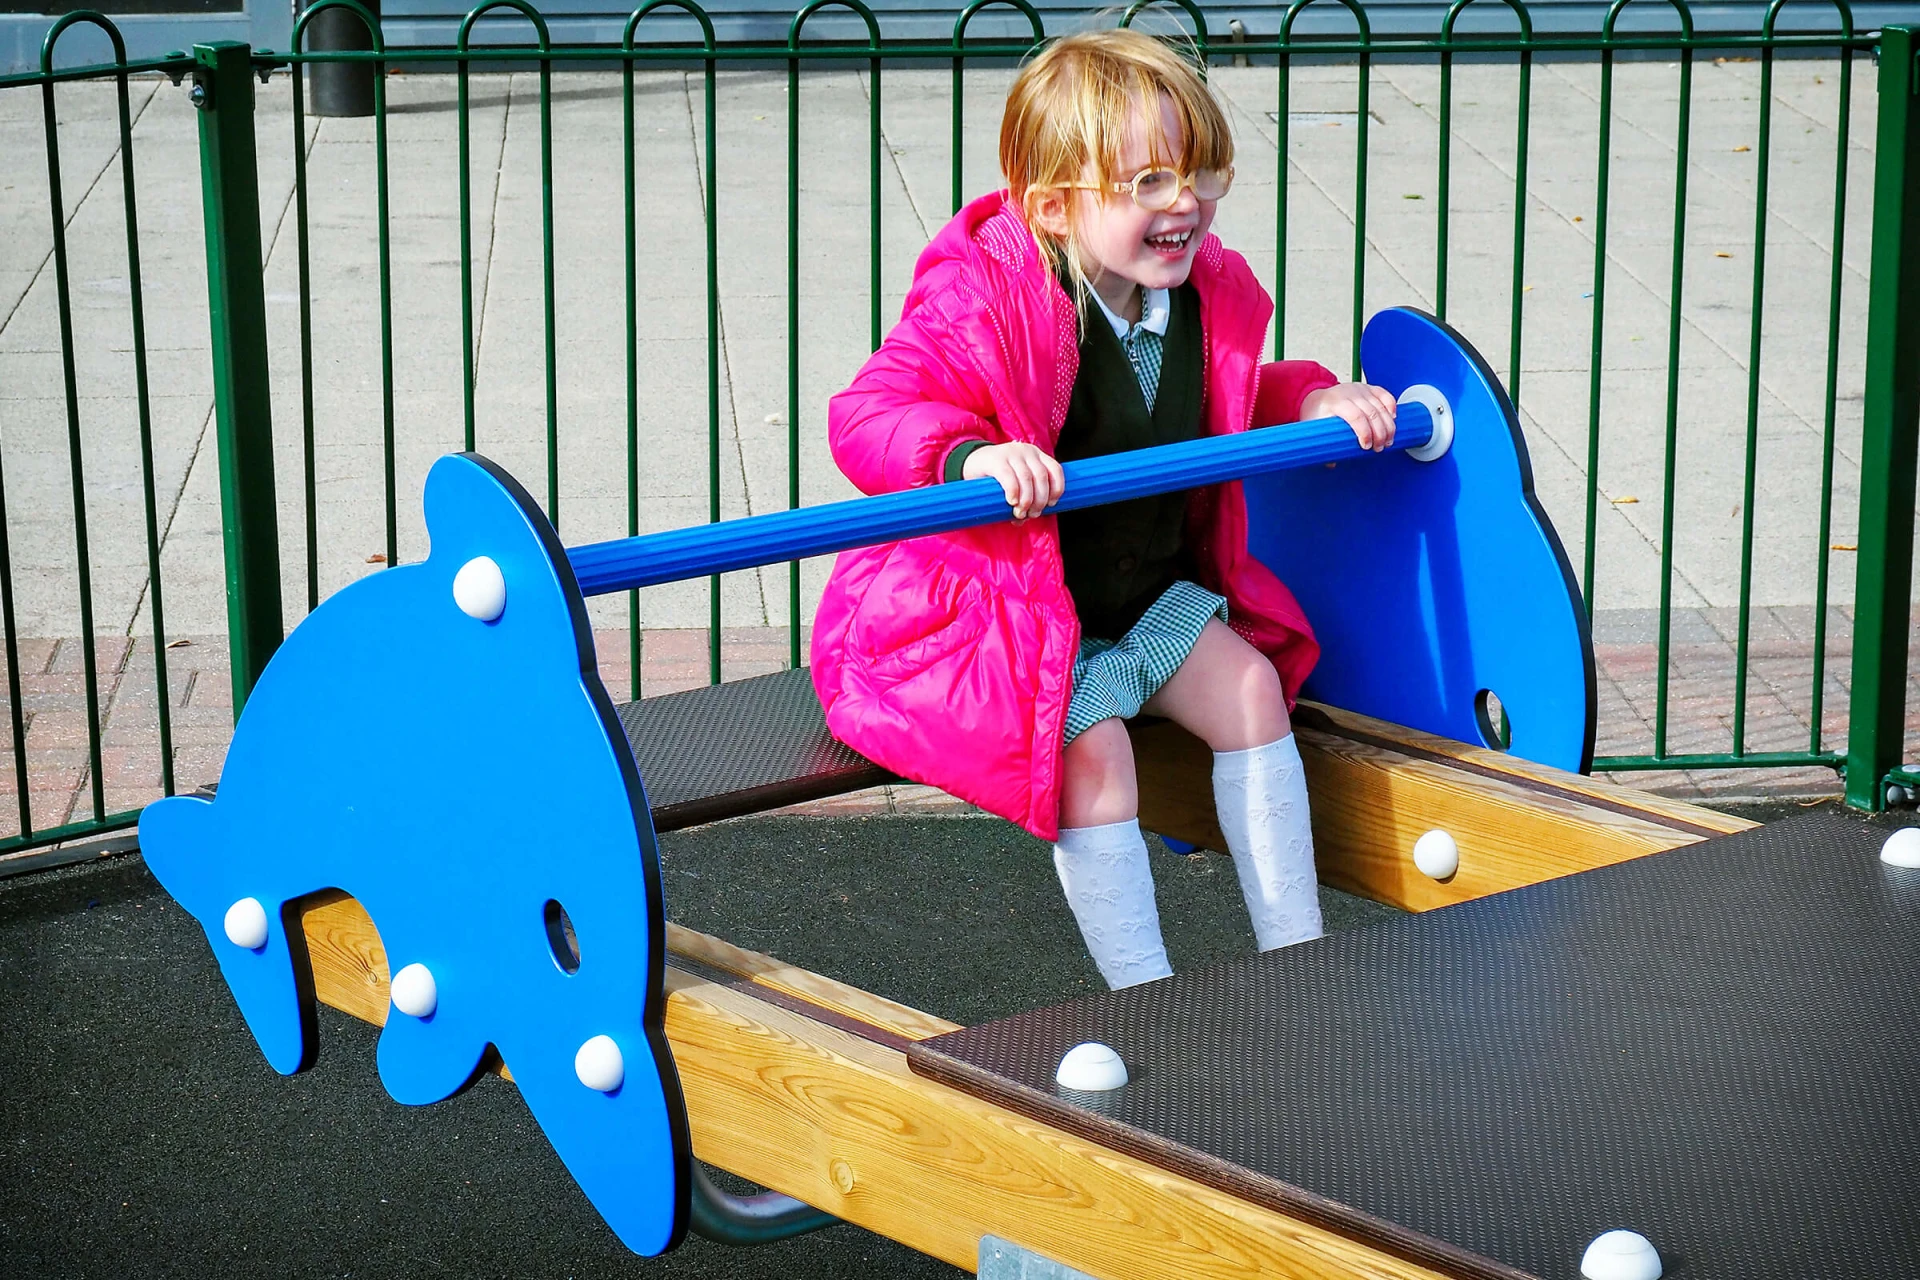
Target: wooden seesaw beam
<point>816,1100</point>
<point>801,1083</point>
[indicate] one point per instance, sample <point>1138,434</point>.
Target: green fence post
<point>237,313</point>
<point>1883,587</point>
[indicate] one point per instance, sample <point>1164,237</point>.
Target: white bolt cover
<point>1902,848</point>
<point>1436,854</point>
<point>247,924</point>
<point>480,589</point>
<point>414,991</point>
<point>1620,1255</point>
<point>1091,1068</point>
<point>599,1064</point>
<point>1442,413</point>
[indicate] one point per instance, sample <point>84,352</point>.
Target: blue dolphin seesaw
<point>435,741</point>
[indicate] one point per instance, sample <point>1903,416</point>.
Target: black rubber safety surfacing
<point>740,747</point>
<point>1717,1047</point>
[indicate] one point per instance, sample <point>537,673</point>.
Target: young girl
<point>1084,310</point>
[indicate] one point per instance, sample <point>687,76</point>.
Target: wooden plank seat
<point>738,748</point>
<point>747,746</point>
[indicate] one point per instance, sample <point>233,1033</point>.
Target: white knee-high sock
<point>1110,888</point>
<point>1261,795</point>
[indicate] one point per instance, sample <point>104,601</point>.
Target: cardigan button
<point>1125,564</point>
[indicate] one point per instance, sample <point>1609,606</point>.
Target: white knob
<point>1091,1068</point>
<point>599,1064</point>
<point>1442,414</point>
<point>1620,1255</point>
<point>415,992</point>
<point>1902,848</point>
<point>1436,854</point>
<point>480,589</point>
<point>247,924</point>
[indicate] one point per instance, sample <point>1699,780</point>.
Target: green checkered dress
<point>1114,679</point>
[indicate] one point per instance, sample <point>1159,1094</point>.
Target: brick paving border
<point>1703,650</point>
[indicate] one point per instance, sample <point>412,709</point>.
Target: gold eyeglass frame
<point>1186,182</point>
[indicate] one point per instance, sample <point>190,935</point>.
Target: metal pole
<point>341,88</point>
<point>1884,585</point>
<point>237,314</point>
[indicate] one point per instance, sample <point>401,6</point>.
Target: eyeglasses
<point>1158,188</point>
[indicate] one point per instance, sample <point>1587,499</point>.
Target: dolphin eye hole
<point>562,941</point>
<point>1495,729</point>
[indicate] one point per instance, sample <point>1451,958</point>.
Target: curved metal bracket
<point>765,1218</point>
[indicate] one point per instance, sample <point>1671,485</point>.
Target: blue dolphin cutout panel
<point>1431,582</point>
<point>457,776</point>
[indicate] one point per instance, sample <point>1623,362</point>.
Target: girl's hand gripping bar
<point>696,552</point>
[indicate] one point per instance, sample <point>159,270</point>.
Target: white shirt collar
<point>1155,308</point>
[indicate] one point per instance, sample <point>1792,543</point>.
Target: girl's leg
<point>1228,694</point>
<point>1102,858</point>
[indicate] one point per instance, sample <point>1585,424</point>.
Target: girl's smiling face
<point>1122,247</point>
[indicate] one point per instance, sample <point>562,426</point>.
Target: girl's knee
<point>1097,779</point>
<point>1255,711</point>
<point>1266,702</point>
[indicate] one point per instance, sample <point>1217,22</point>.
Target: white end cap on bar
<point>1442,413</point>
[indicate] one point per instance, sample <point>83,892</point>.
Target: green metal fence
<point>223,77</point>
<point>97,817</point>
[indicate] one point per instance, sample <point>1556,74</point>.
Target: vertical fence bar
<point>1836,273</point>
<point>1280,184</point>
<point>1363,117</point>
<point>876,220</point>
<point>76,468</point>
<point>632,344</point>
<point>16,714</point>
<point>386,292</point>
<point>1443,222</point>
<point>713,314</point>
<point>462,74</point>
<point>149,505</point>
<point>793,319</point>
<point>709,193</point>
<point>1663,677</point>
<point>377,87</point>
<point>1763,147</point>
<point>546,282</point>
<point>309,489</point>
<point>874,143</point>
<point>1522,128</point>
<point>959,101</point>
<point>1883,588</point>
<point>1283,108</point>
<point>1039,34</point>
<point>1603,173</point>
<point>335,23</point>
<point>237,314</point>
<point>75,465</point>
<point>793,329</point>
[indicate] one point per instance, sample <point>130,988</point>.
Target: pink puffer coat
<point>949,659</point>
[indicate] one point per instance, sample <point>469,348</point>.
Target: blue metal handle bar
<point>700,550</point>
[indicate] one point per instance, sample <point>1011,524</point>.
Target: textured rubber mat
<point>1718,1047</point>
<point>740,747</point>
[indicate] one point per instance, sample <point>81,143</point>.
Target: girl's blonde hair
<point>1072,107</point>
